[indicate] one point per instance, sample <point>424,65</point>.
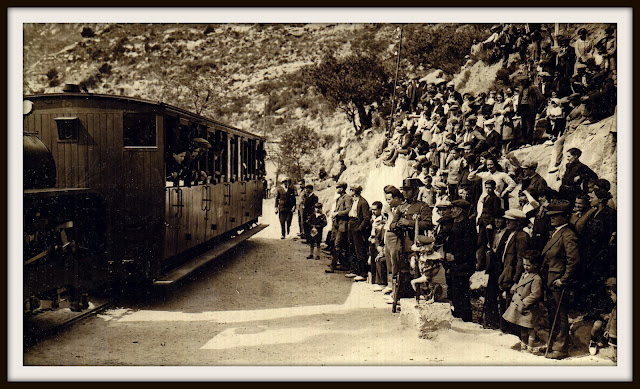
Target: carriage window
<point>67,128</point>
<point>139,130</point>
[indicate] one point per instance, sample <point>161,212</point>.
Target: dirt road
<point>265,304</point>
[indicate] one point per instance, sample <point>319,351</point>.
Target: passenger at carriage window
<point>176,168</point>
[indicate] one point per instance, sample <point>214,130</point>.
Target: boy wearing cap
<point>308,209</point>
<point>316,222</point>
<point>561,259</point>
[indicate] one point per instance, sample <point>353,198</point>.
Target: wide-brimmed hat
<point>559,207</point>
<point>514,214</point>
<point>411,183</point>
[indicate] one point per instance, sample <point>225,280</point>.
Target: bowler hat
<point>559,207</point>
<point>530,165</point>
<point>411,183</point>
<point>341,184</point>
<point>356,188</point>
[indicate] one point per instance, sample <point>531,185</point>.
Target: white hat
<point>514,214</point>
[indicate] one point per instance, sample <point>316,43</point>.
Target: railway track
<point>44,324</point>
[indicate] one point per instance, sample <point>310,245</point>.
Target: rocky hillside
<point>237,72</point>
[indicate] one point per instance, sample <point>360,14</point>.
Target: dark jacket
<point>308,205</point>
<point>535,184</point>
<point>512,259</point>
<point>362,221</point>
<point>561,256</point>
<point>462,245</point>
<point>285,199</point>
<point>575,179</point>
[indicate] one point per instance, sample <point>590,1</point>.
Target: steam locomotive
<point>121,190</point>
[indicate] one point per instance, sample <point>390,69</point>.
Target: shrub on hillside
<point>52,74</point>
<point>87,32</point>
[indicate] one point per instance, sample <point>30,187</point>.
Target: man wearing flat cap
<point>404,226</point>
<point>561,259</point>
<point>516,245</point>
<point>340,217</point>
<point>532,182</point>
<point>285,205</point>
<point>358,230</point>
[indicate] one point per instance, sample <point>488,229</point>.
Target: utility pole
<point>395,82</point>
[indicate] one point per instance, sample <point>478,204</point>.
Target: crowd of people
<point>546,254</point>
<point>563,85</point>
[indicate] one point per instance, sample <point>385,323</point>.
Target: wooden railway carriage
<point>122,149</point>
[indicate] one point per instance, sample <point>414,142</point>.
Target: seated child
<point>610,333</point>
<point>524,309</point>
<point>429,266</point>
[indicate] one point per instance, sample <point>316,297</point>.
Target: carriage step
<point>184,270</point>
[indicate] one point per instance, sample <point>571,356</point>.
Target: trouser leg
<point>283,222</point>
<point>560,335</point>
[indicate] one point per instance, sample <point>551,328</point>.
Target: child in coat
<point>317,221</point>
<point>527,294</point>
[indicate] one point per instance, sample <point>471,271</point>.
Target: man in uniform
<point>404,226</point>
<point>340,220</point>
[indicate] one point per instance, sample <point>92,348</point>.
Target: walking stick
<point>553,325</point>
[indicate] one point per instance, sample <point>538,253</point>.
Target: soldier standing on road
<point>404,227</point>
<point>285,205</point>
<point>340,217</point>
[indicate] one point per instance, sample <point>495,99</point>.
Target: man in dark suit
<point>310,200</point>
<point>576,176</point>
<point>358,230</point>
<point>340,220</point>
<point>561,259</point>
<point>533,182</point>
<point>285,205</point>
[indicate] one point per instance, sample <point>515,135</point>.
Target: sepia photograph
<point>320,194</point>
